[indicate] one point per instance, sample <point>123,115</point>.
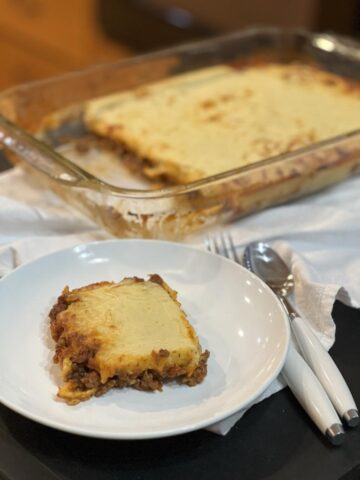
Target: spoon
<point>268,265</point>
<point>296,372</point>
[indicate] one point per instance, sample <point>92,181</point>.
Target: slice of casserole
<point>127,334</point>
<point>213,120</point>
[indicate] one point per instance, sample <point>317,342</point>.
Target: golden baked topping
<point>131,333</point>
<point>216,119</point>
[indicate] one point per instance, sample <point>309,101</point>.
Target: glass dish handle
<point>40,156</point>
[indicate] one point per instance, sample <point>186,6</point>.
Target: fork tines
<point>222,244</point>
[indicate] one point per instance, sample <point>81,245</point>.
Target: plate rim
<point>85,432</point>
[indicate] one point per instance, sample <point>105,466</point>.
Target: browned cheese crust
<point>217,119</point>
<point>76,352</point>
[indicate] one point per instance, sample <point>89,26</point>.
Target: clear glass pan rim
<point>91,182</point>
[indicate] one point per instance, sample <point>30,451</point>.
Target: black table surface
<point>274,440</point>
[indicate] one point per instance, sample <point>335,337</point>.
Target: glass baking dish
<point>41,125</point>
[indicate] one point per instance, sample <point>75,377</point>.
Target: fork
<point>296,372</point>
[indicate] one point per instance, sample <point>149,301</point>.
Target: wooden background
<point>41,38</point>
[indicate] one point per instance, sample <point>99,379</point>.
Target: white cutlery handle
<point>326,371</point>
<point>311,395</point>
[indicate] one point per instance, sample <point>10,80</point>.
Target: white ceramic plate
<point>237,317</point>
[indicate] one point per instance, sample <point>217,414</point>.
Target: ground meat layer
<point>82,382</point>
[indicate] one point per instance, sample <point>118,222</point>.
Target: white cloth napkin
<point>318,236</point>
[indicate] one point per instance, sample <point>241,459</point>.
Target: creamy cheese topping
<point>134,319</point>
<point>221,118</point>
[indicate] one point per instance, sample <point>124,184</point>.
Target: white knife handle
<point>326,371</point>
<point>311,395</point>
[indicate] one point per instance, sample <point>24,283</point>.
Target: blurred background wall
<point>41,38</point>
